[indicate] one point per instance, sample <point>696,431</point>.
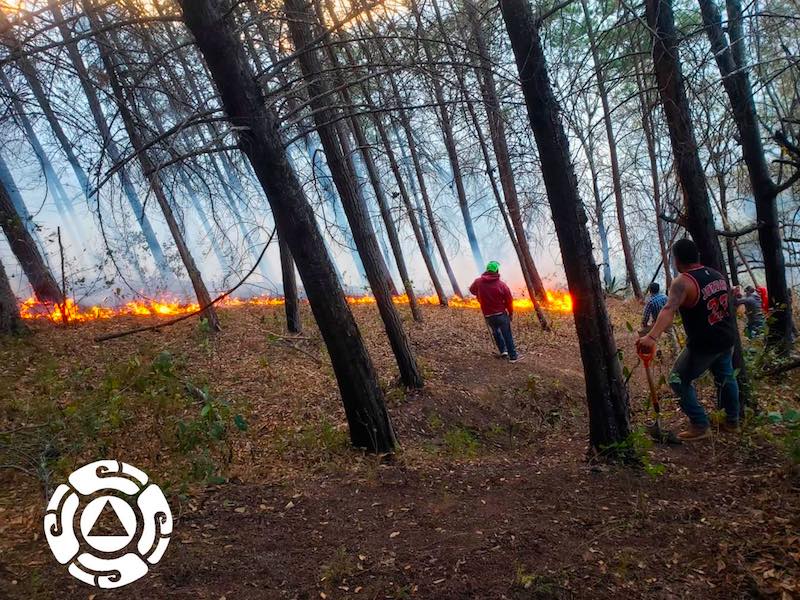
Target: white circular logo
<point>109,495</point>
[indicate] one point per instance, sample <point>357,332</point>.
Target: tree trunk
<point>606,394</point>
<point>32,78</point>
<point>290,297</point>
<point>61,200</point>
<point>500,144</point>
<point>736,82</point>
<point>416,226</point>
<point>374,177</point>
<point>125,104</point>
<point>616,178</point>
<point>588,144</point>
<point>24,248</point>
<point>408,130</point>
<point>449,138</point>
<point>109,144</point>
<point>648,128</point>
<point>10,321</point>
<point>7,180</point>
<point>300,20</point>
<point>257,129</point>
<point>671,88</point>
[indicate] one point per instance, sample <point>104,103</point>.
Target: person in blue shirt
<point>655,303</point>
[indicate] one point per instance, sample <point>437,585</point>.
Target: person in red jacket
<point>497,306</point>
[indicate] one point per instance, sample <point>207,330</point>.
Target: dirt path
<point>491,497</point>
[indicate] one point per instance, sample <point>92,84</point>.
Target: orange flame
<point>559,301</point>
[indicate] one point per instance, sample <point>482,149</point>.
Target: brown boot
<point>727,427</point>
<point>694,433</point>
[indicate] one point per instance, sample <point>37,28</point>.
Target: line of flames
<point>559,301</point>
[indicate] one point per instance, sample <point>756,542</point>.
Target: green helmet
<point>493,266</point>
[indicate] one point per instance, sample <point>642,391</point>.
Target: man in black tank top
<point>702,297</point>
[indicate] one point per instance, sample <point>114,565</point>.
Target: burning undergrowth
<point>72,312</point>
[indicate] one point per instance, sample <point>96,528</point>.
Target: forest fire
<point>32,309</point>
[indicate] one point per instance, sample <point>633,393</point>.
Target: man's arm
<point>473,289</point>
<point>677,296</point>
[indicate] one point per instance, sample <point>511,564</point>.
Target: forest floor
<point>490,496</point>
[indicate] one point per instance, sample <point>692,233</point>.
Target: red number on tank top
<point>718,309</point>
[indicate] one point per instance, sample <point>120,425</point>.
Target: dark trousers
<point>690,365</point>
<point>500,326</point>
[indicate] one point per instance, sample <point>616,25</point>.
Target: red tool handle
<point>646,357</point>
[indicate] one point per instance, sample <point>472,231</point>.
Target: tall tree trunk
<point>405,123</point>
<point>32,78</point>
<point>587,142</point>
<point>405,198</point>
<point>372,172</point>
<point>648,127</point>
<point>730,243</point>
<point>126,106</point>
<point>76,60</point>
<point>290,296</point>
<point>500,144</point>
<point>339,160</point>
<point>449,138</point>
<point>10,321</point>
<point>616,178</point>
<point>24,248</point>
<point>606,394</point>
<point>736,81</point>
<point>7,180</point>
<point>416,226</point>
<point>257,130</point>
<point>61,199</point>
<point>672,91</point>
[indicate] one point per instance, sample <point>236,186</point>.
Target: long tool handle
<point>652,385</point>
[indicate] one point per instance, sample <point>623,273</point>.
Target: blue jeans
<point>690,365</point>
<point>500,325</point>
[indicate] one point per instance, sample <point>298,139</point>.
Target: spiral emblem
<point>108,490</point>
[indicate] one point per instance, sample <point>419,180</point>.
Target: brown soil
<point>490,496</point>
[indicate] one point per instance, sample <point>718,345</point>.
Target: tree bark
<point>300,20</point>
<point>405,123</point>
<point>616,178</point>
<point>736,81</point>
<point>648,127</point>
<point>416,226</point>
<point>374,177</point>
<point>500,144</point>
<point>10,321</point>
<point>606,394</point>
<point>61,200</point>
<point>32,78</point>
<point>587,142</point>
<point>96,109</point>
<point>126,106</point>
<point>44,285</point>
<point>257,129</point>
<point>449,139</point>
<point>290,297</point>
<point>526,276</point>
<point>689,169</point>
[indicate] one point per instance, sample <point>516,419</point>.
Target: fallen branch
<point>119,334</point>
<point>287,344</point>
<point>787,366</point>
